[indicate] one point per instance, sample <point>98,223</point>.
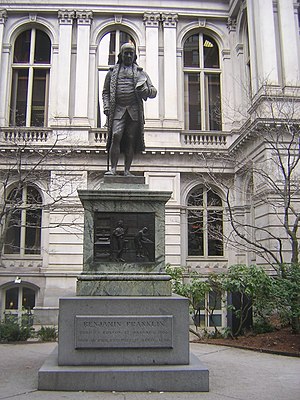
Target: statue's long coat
<point>109,103</point>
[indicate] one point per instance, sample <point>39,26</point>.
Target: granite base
<point>175,378</point>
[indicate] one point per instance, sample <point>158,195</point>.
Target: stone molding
<point>66,17</point>
<point>84,17</point>
<point>3,16</point>
<point>231,24</point>
<point>169,20</point>
<point>152,19</point>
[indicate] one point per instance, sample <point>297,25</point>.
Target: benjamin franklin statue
<point>126,86</point>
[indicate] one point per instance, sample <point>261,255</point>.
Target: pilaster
<point>170,67</point>
<point>3,18</point>
<point>151,21</point>
<point>289,45</point>
<point>65,19</point>
<point>84,20</point>
<point>266,42</point>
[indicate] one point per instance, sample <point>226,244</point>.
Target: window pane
<point>42,48</point>
<point>191,52</point>
<point>22,47</point>
<point>214,101</point>
<point>38,98</point>
<point>196,197</point>
<point>28,300</point>
<point>215,320</point>
<point>194,103</point>
<point>210,52</point>
<point>126,38</point>
<point>214,301</point>
<point>213,199</point>
<point>112,48</point>
<point>33,196</point>
<point>19,97</point>
<point>33,232</point>
<point>13,233</point>
<point>195,233</point>
<point>109,48</point>
<point>11,299</point>
<point>215,233</point>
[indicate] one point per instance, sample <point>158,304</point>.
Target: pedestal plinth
<point>124,331</point>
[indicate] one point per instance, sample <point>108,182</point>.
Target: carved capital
<point>84,17</point>
<point>3,16</point>
<point>152,19</point>
<point>66,17</point>
<point>231,24</point>
<point>169,20</point>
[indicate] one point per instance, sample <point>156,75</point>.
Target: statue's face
<point>128,56</point>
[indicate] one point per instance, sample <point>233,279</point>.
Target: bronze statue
<point>126,86</point>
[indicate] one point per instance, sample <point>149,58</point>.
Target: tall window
<point>205,223</point>
<point>109,48</point>
<point>23,222</point>
<point>30,79</point>
<point>202,83</point>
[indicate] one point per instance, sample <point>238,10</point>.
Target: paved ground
<point>234,374</point>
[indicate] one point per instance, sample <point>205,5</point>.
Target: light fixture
<point>207,43</point>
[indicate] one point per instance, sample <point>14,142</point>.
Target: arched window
<point>108,50</point>
<point>205,223</point>
<point>23,221</point>
<point>30,79</point>
<point>202,83</point>
<point>19,300</point>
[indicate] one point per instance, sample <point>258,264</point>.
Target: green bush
<point>12,331</point>
<point>47,334</point>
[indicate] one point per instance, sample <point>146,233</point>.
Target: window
<point>23,221</point>
<point>108,50</point>
<point>30,79</point>
<point>202,83</point>
<point>19,300</point>
<point>205,223</point>
<point>209,311</point>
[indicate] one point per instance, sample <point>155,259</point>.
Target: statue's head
<point>127,54</point>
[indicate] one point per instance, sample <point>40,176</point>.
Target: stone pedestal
<point>124,331</point>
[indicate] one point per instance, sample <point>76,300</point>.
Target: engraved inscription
<point>123,331</point>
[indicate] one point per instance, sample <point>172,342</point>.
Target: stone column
<point>265,42</point>
<point>170,69</point>
<point>289,46</point>
<point>252,47</point>
<point>65,18</point>
<point>3,18</point>
<point>84,20</point>
<point>151,21</point>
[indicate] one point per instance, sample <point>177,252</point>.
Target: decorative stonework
<point>202,22</point>
<point>3,16</point>
<point>169,20</point>
<point>84,17</point>
<point>118,19</point>
<point>231,24</point>
<point>152,19</point>
<point>66,17</point>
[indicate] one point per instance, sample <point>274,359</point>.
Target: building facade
<point>228,76</point>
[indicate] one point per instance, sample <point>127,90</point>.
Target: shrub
<point>12,331</point>
<point>47,334</point>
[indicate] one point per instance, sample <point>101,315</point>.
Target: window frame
<point>31,67</point>
<point>24,210</point>
<point>203,73</point>
<point>205,209</point>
